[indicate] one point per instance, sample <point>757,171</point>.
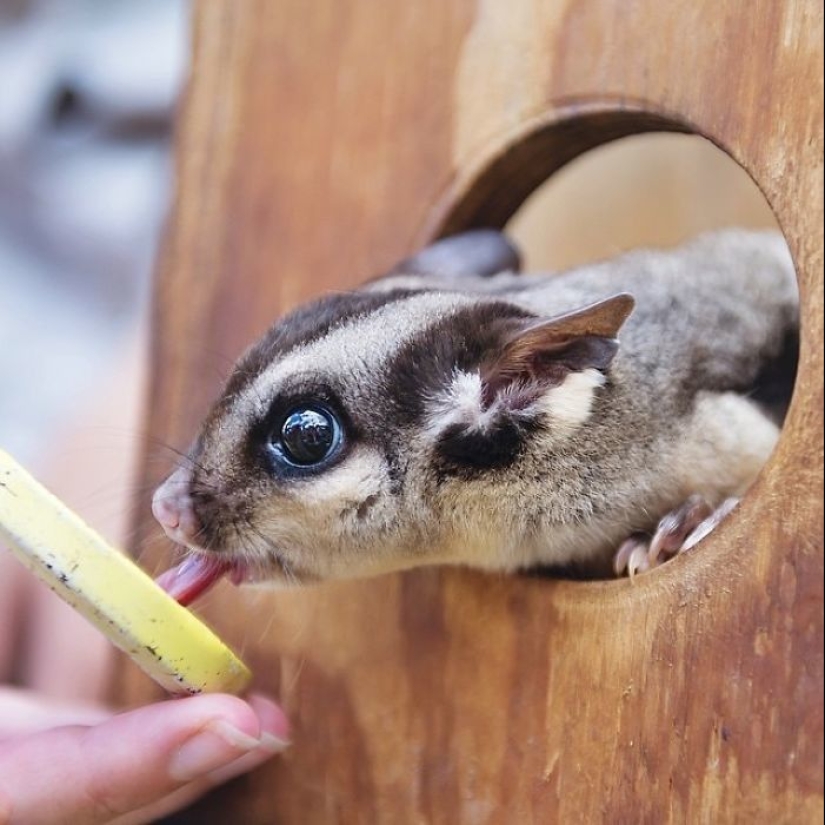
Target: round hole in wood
<point>649,190</point>
<point>594,185</point>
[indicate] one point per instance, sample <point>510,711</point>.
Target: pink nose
<point>172,507</point>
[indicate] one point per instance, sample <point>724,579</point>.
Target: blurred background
<point>88,92</point>
<point>89,89</point>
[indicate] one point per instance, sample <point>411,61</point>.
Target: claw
<point>678,531</point>
<point>675,527</point>
<point>710,523</point>
<point>638,561</point>
<point>628,550</point>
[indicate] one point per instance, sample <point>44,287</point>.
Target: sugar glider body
<point>456,412</point>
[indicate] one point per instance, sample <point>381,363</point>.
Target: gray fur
<point>589,460</point>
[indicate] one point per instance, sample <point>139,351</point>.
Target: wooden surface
<point>320,142</point>
<point>653,189</point>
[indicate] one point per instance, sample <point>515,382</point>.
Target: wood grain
<point>321,142</point>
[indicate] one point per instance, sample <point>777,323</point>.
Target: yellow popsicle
<point>166,640</point>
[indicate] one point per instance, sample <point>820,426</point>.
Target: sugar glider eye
<point>307,436</point>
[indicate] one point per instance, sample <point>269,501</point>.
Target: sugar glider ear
<point>539,355</point>
<point>479,252</point>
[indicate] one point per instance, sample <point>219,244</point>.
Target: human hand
<point>126,768</point>
<point>65,759</point>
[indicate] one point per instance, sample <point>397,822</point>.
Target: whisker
<point>187,458</point>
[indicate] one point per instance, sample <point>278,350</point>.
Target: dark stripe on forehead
<point>306,324</point>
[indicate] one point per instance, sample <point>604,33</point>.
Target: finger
<point>268,714</point>
<point>185,796</point>
<point>95,774</point>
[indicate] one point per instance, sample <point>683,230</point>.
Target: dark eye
<point>308,436</point>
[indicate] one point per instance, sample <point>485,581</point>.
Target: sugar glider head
<point>350,439</point>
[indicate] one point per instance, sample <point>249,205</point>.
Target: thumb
<point>94,774</point>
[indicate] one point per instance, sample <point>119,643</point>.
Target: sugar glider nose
<point>172,507</point>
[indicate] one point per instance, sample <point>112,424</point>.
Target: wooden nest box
<point>319,143</point>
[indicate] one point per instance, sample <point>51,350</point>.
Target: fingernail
<point>272,743</point>
<point>218,743</point>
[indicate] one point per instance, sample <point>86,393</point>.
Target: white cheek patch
<point>460,403</point>
<point>569,404</point>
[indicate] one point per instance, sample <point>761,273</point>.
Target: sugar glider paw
<point>678,531</point>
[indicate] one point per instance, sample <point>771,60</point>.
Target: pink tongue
<point>193,577</point>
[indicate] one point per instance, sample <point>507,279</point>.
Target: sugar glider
<point>457,412</point>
